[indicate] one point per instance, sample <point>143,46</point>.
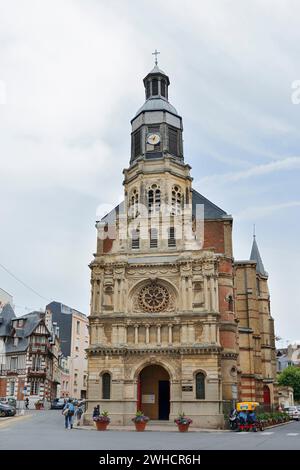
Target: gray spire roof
<point>255,256</point>
<point>157,104</point>
<point>156,69</point>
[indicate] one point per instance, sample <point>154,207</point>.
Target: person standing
<point>78,413</point>
<point>26,402</point>
<point>68,412</point>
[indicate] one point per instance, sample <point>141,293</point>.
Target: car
<point>293,412</point>
<point>9,401</point>
<point>57,404</point>
<point>7,410</point>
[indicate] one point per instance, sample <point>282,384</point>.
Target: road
<point>44,430</point>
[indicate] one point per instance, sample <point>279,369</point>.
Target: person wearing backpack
<point>68,412</point>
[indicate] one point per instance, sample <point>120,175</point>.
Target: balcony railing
<point>37,372</point>
<point>7,372</point>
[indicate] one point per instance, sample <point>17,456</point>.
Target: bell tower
<point>156,127</point>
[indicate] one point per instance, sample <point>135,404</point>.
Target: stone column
<point>206,294</point>
<point>158,334</point>
<point>170,333</point>
<point>136,334</point>
<point>147,334</point>
<point>212,294</point>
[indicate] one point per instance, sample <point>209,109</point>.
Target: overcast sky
<point>70,81</point>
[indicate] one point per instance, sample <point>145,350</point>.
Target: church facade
<point>176,324</point>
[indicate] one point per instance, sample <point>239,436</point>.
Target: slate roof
<point>31,321</point>
<point>6,315</point>
<point>157,104</point>
<point>211,211</point>
<point>255,256</point>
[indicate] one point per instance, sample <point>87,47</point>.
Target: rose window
<point>153,298</point>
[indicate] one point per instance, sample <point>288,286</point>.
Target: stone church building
<point>176,324</point>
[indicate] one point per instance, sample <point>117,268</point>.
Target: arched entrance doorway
<point>267,396</point>
<point>154,392</point>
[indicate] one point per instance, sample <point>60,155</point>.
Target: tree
<point>291,377</point>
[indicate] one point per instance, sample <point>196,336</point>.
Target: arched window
<point>106,386</point>
<point>154,199</point>
<point>134,202</point>
<point>176,200</point>
<point>200,386</point>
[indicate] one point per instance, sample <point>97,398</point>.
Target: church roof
<point>255,256</point>
<point>157,104</point>
<point>211,211</point>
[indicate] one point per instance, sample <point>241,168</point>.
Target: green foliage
<point>291,377</point>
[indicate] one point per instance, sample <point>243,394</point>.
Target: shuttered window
<point>137,143</point>
<point>154,86</point>
<point>173,141</point>
<point>153,238</point>
<point>171,238</point>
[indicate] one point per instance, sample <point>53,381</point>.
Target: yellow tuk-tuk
<point>247,405</point>
<point>248,422</point>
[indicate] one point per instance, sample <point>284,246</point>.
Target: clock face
<point>153,139</point>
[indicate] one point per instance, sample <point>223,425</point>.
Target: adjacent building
<point>74,340</point>
<point>5,298</point>
<point>176,324</point>
<point>289,356</point>
<point>30,356</point>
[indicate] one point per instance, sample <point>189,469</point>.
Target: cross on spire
<point>156,54</point>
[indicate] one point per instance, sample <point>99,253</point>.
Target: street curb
<point>90,428</point>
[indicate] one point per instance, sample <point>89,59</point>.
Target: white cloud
<point>289,163</point>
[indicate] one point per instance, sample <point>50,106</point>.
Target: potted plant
<point>140,421</point>
<point>102,421</point>
<point>183,422</point>
<point>39,405</point>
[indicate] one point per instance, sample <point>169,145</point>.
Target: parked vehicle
<point>9,401</point>
<point>57,404</point>
<point>7,410</point>
<point>293,412</point>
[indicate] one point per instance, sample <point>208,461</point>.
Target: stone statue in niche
<point>198,294</point>
<point>108,298</point>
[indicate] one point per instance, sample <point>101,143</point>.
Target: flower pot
<point>101,425</point>
<point>140,426</point>
<point>183,427</point>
